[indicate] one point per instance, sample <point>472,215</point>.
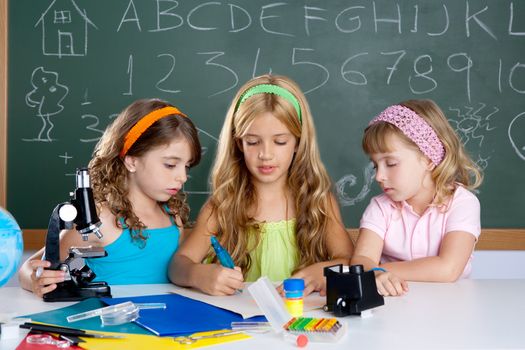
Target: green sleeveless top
<point>276,255</point>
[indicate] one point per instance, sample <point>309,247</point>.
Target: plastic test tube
<point>100,311</point>
<point>148,306</point>
<point>257,327</point>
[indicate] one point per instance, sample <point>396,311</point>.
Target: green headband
<point>271,89</point>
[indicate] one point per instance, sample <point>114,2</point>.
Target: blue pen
<point>224,258</point>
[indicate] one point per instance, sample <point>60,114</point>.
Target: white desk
<point>469,314</point>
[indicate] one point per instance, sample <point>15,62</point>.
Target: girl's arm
<point>368,249</point>
<point>186,267</point>
<point>47,281</point>
<point>447,266</point>
<point>368,253</point>
<point>340,248</point>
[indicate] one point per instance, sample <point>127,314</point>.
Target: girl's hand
<point>389,284</point>
<point>47,280</point>
<point>314,280</point>
<point>221,280</point>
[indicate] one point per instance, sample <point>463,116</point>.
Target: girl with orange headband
<point>137,172</point>
<point>271,206</point>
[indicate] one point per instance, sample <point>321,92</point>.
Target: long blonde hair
<point>233,193</point>
<point>109,174</point>
<point>456,166</point>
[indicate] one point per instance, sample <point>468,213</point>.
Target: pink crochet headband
<point>416,129</point>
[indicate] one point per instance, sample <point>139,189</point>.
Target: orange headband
<point>144,123</point>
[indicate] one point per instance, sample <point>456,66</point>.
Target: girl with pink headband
<point>425,224</point>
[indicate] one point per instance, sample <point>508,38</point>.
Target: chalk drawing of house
<point>64,29</point>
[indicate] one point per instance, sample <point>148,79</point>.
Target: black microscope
<point>80,212</point>
<point>350,292</point>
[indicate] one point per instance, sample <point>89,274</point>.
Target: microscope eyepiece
<point>87,220</point>
<point>83,180</point>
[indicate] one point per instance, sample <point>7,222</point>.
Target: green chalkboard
<point>74,64</point>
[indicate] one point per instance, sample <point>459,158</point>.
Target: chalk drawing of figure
<point>349,181</point>
<point>482,162</point>
<point>516,133</point>
<point>47,96</point>
<point>473,123</point>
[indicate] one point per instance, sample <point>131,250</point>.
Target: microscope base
<point>68,291</point>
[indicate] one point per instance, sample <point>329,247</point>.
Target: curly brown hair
<point>109,174</point>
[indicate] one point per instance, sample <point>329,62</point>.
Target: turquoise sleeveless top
<point>128,263</point>
<point>276,255</point>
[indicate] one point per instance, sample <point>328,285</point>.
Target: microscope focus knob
<point>67,212</point>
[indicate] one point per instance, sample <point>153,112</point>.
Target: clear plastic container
<point>270,303</point>
<point>124,315</point>
<point>272,306</point>
<point>112,309</point>
<point>118,313</point>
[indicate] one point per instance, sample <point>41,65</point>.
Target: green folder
<point>58,317</point>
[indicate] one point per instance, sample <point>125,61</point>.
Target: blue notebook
<point>182,315</point>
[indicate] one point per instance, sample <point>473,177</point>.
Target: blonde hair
<point>233,193</point>
<point>456,166</point>
<point>109,174</point>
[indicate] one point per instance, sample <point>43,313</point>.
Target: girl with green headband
<point>271,206</point>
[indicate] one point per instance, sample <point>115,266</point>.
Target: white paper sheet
<point>243,303</point>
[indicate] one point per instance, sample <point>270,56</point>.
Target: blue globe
<point>11,246</point>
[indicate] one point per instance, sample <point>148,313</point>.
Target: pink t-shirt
<point>409,236</point>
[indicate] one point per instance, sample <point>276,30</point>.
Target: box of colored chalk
<point>326,330</point>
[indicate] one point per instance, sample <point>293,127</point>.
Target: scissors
<point>190,339</point>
